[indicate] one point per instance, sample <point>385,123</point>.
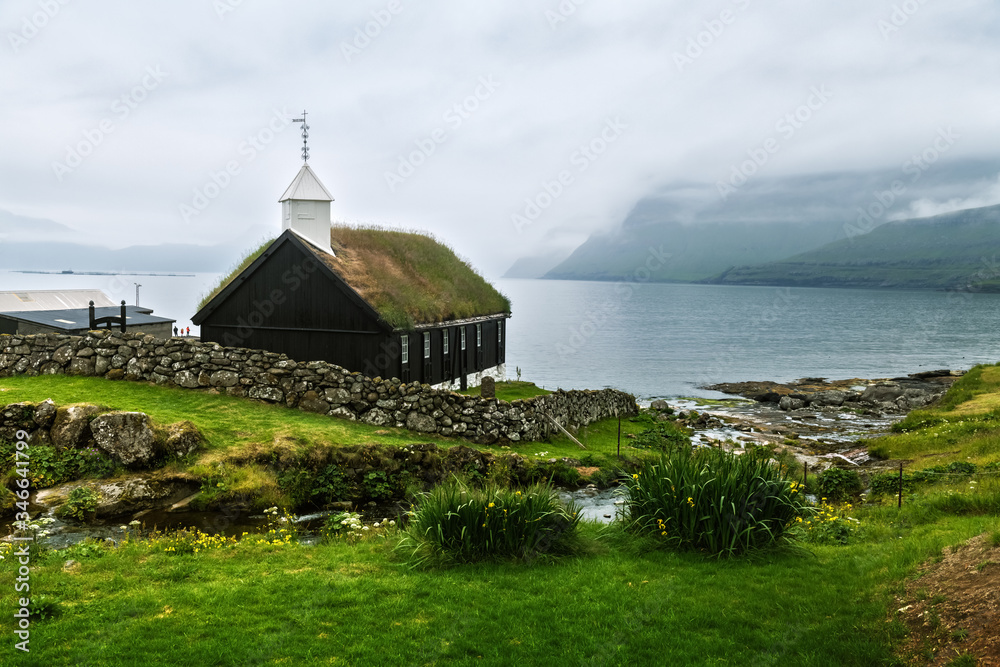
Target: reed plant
<point>713,501</point>
<point>457,523</point>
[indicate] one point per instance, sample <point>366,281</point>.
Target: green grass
<point>411,278</point>
<point>513,390</point>
<point>226,422</point>
<point>963,427</point>
<point>360,604</point>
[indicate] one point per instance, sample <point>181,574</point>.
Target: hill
<point>955,251</point>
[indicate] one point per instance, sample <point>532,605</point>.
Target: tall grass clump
<point>453,523</point>
<point>713,501</point>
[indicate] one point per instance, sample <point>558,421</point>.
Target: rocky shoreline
<point>883,396</point>
<point>820,422</point>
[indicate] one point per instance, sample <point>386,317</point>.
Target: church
<point>378,301</point>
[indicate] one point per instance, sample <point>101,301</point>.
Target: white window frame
<point>463,339</point>
<point>404,342</point>
<point>499,333</point>
<point>427,346</point>
<point>445,349</point>
<point>479,336</point>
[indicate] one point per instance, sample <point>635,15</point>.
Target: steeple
<point>305,206</point>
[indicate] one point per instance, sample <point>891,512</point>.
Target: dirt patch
<point>587,471</point>
<point>953,608</point>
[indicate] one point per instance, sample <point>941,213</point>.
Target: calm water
<point>666,340</point>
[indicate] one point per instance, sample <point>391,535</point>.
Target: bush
<point>81,504</point>
<point>711,500</point>
<point>829,525</point>
<point>662,436</point>
<point>457,523</point>
<point>839,484</point>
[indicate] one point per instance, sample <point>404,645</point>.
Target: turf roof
<point>407,277</point>
<point>411,278</point>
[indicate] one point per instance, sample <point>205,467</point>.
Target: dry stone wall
<point>314,386</point>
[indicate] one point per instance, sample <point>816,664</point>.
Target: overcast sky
<point>120,119</point>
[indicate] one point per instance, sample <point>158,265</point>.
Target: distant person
<point>189,331</point>
<point>175,331</point>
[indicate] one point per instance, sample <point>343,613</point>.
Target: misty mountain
<point>956,251</point>
<point>766,220</point>
<point>535,267</point>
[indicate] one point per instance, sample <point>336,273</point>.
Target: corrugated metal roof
<point>31,300</point>
<point>78,319</point>
<point>306,186</point>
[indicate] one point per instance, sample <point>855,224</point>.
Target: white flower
<point>392,523</point>
<point>365,528</point>
<point>122,527</point>
<point>376,524</point>
<point>133,522</point>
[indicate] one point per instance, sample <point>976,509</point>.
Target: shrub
<point>454,522</point>
<point>829,525</point>
<point>839,484</point>
<point>662,436</point>
<point>711,500</point>
<point>80,505</point>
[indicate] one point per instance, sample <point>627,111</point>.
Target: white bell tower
<point>305,206</point>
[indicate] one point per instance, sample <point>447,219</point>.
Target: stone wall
<point>314,386</point>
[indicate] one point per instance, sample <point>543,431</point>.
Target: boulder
<point>182,439</point>
<point>416,421</point>
<point>71,426</point>
<point>126,436</point>
<point>788,403</point>
<point>831,398</point>
<point>45,413</point>
<point>270,394</point>
<point>882,393</point>
<point>662,406</point>
<point>377,417</point>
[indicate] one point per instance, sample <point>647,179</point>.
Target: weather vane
<point>305,136</point>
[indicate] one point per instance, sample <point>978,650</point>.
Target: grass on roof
<point>247,260</point>
<point>412,278</point>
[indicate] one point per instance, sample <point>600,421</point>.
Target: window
<point>499,333</point>
<point>479,335</point>
<point>463,338</point>
<point>445,332</point>
<point>404,341</point>
<point>427,346</point>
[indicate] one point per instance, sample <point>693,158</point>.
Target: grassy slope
<point>946,251</point>
<point>964,427</point>
<point>512,391</point>
<point>233,425</point>
<point>358,605</point>
<point>614,604</point>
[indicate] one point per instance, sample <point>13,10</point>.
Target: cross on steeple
<point>305,136</point>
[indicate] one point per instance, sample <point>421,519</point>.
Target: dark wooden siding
<point>291,304</point>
